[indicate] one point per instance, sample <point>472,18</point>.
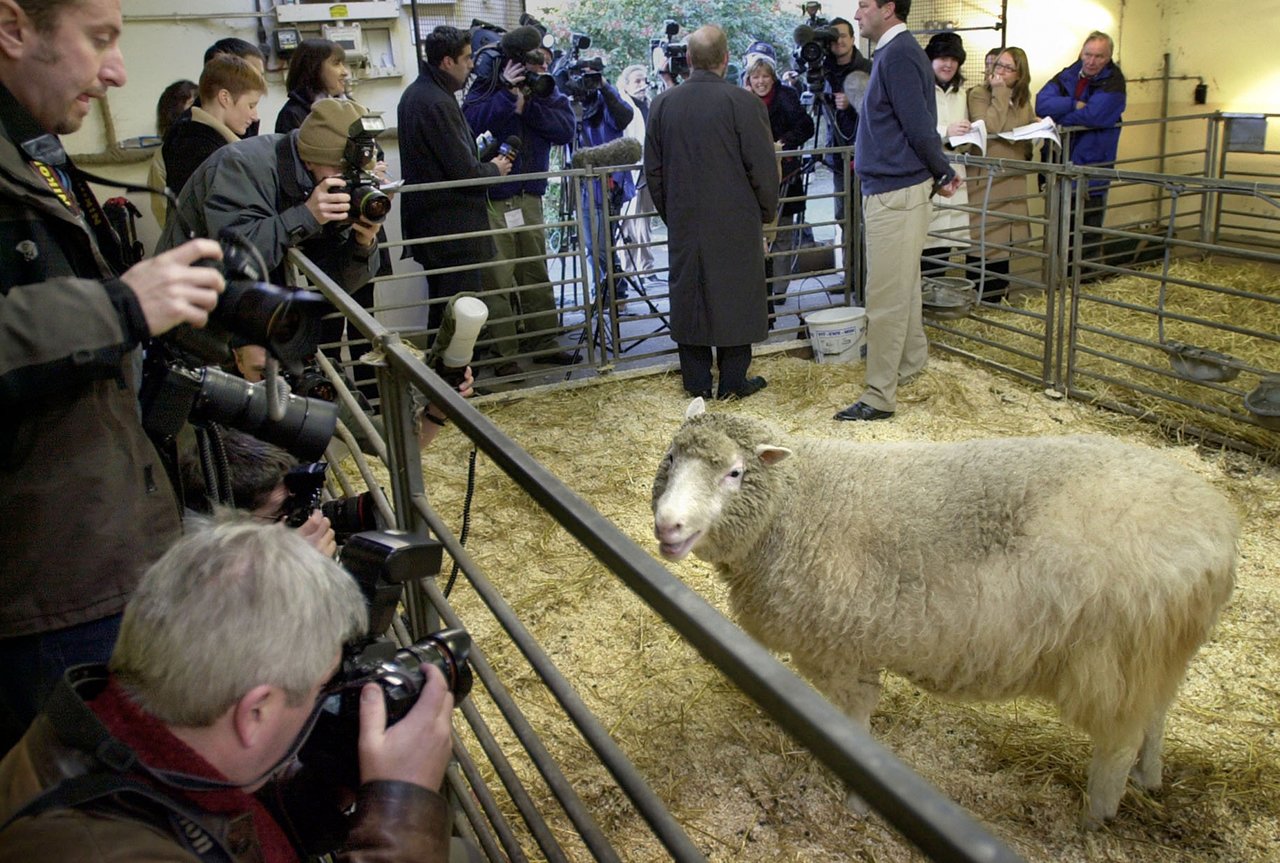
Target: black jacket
<point>190,141</point>
<point>436,146</point>
<point>295,110</point>
<point>792,125</point>
<point>842,127</point>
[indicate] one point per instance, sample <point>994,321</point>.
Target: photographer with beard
<point>178,748</point>
<point>842,61</point>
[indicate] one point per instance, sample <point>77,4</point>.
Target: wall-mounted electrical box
<point>287,40</point>
<point>349,35</point>
<point>366,10</point>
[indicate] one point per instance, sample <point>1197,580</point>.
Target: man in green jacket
<point>85,505</point>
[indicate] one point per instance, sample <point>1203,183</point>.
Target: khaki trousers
<point>519,289</point>
<point>897,224</point>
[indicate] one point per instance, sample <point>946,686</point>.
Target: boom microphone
<point>519,43</point>
<point>802,35</point>
<point>615,154</point>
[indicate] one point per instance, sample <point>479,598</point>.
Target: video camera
<point>585,76</point>
<point>521,45</point>
<point>368,201</point>
<point>381,562</point>
<point>177,385</point>
<point>579,77</point>
<point>677,53</point>
<point>812,47</point>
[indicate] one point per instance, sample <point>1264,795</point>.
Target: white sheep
<point>1076,569</point>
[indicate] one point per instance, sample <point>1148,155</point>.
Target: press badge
<point>514,218</point>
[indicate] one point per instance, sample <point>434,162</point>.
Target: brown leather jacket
<point>394,821</point>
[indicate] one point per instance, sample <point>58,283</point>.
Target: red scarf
<point>768,97</point>
<point>157,747</point>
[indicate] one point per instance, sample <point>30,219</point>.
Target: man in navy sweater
<point>900,165</point>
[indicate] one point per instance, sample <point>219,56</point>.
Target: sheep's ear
<point>696,408</point>
<point>770,454</point>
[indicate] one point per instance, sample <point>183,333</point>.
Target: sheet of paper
<point>977,135</point>
<point>1039,129</point>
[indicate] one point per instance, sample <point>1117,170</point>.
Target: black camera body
<point>178,386</point>
<point>586,76</point>
<point>347,515</point>
<point>676,51</point>
<point>368,201</point>
<point>381,562</point>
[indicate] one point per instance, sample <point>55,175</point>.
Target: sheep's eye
<point>735,473</point>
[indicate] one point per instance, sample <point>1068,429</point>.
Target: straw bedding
<point>740,787</point>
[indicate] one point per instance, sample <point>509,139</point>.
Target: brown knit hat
<point>322,140</point>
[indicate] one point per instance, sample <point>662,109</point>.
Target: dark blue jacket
<point>605,116</point>
<point>898,143</point>
<point>546,122</point>
<point>1104,97</point>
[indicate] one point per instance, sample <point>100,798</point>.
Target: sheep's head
<point>714,490</point>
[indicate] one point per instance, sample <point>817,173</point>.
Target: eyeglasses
<point>1006,67</point>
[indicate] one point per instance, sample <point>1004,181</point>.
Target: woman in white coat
<point>949,227</point>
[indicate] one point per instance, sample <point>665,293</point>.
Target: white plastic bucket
<point>837,335</point>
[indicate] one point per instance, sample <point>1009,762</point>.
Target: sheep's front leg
<point>856,693</point>
<point>1113,757</point>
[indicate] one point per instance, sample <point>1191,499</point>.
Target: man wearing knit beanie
<point>281,191</point>
<point>322,140</point>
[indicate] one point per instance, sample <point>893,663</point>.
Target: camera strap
<point>291,191</point>
<point>70,184</point>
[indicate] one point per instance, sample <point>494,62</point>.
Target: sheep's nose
<point>667,532</point>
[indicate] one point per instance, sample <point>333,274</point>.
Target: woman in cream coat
<point>1003,102</point>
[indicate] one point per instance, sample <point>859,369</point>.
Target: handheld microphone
<point>620,152</point>
<point>511,147</point>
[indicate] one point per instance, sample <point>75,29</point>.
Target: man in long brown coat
<point>712,172</point>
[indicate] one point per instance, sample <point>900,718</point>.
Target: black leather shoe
<point>862,411</point>
<point>750,386</point>
<point>706,394</point>
<point>559,358</point>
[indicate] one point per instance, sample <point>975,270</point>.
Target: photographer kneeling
<point>217,677</point>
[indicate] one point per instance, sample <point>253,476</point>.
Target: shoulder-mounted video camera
<point>584,76</point>
<point>676,52</point>
<point>521,45</point>
<point>368,201</point>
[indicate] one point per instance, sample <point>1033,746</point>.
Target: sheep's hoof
<point>1148,780</point>
<point>856,805</point>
